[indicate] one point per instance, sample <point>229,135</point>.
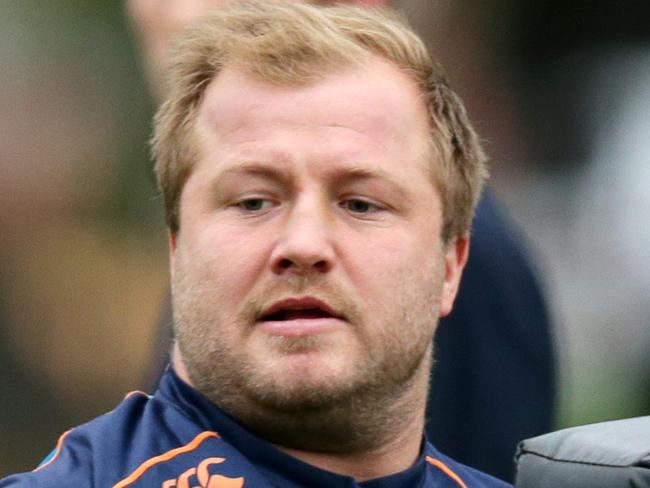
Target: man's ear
<point>455,259</point>
<point>171,241</point>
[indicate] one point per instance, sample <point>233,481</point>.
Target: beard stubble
<point>350,414</point>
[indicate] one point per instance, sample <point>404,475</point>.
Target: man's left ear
<point>455,259</point>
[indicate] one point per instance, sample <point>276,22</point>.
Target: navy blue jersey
<point>177,438</point>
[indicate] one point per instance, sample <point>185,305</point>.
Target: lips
<point>298,308</point>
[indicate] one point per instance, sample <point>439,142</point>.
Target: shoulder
<point>458,475</point>
<point>118,447</point>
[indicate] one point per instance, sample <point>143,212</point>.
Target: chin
<point>314,412</point>
<point>311,393</point>
<point>304,382</point>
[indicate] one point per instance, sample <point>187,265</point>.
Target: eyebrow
<point>357,174</point>
<point>336,176</point>
<point>253,169</point>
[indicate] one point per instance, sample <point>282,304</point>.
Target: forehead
<point>373,100</point>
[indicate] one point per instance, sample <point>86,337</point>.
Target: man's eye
<point>254,204</point>
<point>359,206</point>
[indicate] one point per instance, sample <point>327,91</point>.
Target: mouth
<point>299,308</point>
<point>300,317</point>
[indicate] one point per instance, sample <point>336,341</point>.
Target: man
<point>493,384</point>
<point>319,179</point>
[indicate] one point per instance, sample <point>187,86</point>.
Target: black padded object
<point>608,455</point>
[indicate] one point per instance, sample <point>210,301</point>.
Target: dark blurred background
<point>559,90</point>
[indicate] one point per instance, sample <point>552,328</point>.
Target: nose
<point>305,244</point>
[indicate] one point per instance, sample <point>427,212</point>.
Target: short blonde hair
<point>296,44</point>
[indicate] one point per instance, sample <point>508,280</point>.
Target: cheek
<point>395,259</point>
<point>400,281</point>
<point>232,257</point>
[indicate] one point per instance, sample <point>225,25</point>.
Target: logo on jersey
<point>201,475</point>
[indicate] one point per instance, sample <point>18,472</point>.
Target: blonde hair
<point>296,44</point>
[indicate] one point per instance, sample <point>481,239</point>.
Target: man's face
<point>309,265</point>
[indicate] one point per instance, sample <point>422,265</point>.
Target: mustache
<point>334,295</point>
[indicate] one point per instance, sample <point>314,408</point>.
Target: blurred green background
<point>83,259</point>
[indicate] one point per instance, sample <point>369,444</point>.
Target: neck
<point>401,429</point>
<point>396,455</point>
<point>398,435</point>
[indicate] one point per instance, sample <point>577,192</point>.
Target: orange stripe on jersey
<point>447,470</point>
<point>59,447</point>
<point>135,392</point>
<point>133,477</point>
